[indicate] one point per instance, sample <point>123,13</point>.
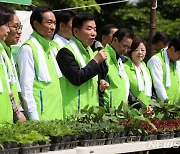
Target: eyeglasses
<point>17,27</point>
<point>125,46</point>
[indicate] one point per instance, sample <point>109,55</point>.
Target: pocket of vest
<point>41,100</point>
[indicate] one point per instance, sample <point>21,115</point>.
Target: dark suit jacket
<point>71,70</point>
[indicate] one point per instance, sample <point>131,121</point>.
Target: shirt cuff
<point>33,115</point>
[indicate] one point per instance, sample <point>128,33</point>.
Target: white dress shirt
<point>61,41</point>
<point>25,63</point>
<point>155,66</point>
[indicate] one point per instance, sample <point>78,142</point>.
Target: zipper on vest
<point>41,99</point>
<point>79,100</point>
<point>110,104</point>
<point>36,74</point>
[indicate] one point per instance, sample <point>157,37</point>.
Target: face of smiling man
<point>48,25</point>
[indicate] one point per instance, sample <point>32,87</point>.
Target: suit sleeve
<point>71,70</point>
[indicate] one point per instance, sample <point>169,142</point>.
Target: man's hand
<point>21,116</point>
<point>103,85</point>
<point>100,56</point>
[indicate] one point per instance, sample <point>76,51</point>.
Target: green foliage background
<point>133,16</point>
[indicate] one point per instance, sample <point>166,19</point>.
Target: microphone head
<point>98,45</point>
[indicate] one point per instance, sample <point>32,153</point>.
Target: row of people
<point>60,76</point>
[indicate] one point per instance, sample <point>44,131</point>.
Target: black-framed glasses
<point>125,46</point>
<point>17,27</point>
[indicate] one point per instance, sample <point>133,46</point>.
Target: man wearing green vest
<point>12,39</point>
<point>63,27</point>
<point>165,70</point>
<point>79,66</point>
<point>117,78</point>
<point>38,69</point>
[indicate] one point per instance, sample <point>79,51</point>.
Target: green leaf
<point>143,110</point>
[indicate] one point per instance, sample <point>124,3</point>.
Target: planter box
<point>177,134</point>
<point>10,151</point>
<point>30,149</point>
<point>92,142</point>
<point>116,140</point>
<point>162,136</point>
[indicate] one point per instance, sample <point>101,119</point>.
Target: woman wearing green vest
<point>139,76</point>
<point>12,39</point>
<point>6,112</point>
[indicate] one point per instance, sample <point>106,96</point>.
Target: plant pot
<point>14,144</point>
<point>74,144</point>
<point>103,135</point>
<point>162,136</point>
<point>73,138</point>
<point>54,146</point>
<point>90,142</point>
<point>29,149</point>
<point>171,135</point>
<point>7,144</point>
<point>145,138</point>
<point>10,151</point>
<point>66,139</point>
<point>110,135</point>
<point>177,134</point>
<point>44,148</point>
<point>100,141</point>
<point>93,136</point>
<point>55,139</point>
<point>61,146</point>
<point>109,141</point>
<point>153,137</point>
<point>122,139</point>
<point>85,136</point>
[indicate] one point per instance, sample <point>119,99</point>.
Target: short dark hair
<point>37,14</point>
<point>63,16</point>
<point>160,36</point>
<point>106,29</point>
<point>135,43</point>
<point>175,42</point>
<point>6,15</point>
<point>80,18</point>
<point>121,33</point>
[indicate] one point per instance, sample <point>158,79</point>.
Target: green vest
<point>14,87</point>
<point>47,95</point>
<point>77,97</point>
<point>116,92</point>
<point>173,92</point>
<point>6,112</point>
<point>131,72</point>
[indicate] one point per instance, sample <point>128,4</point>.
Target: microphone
<point>104,66</point>
<point>98,45</point>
